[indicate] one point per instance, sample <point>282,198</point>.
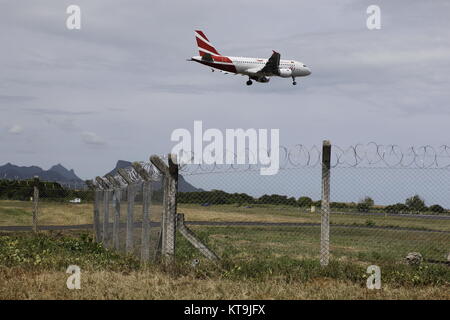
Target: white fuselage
<point>250,66</point>
<point>246,65</point>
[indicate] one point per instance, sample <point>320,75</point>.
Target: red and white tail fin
<point>204,46</point>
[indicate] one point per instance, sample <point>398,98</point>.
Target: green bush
<point>436,208</point>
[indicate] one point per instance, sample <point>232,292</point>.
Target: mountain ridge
<point>57,173</point>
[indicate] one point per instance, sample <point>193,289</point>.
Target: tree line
<point>51,191</point>
<point>415,204</point>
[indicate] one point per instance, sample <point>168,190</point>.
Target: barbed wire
<point>392,156</point>
<point>131,176</point>
<point>371,155</point>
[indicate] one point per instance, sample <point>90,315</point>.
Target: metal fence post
<point>325,210</point>
<point>35,203</point>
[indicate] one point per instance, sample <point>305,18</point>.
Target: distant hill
<point>183,185</point>
<point>57,173</point>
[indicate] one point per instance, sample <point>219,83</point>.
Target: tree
<point>416,204</point>
<point>436,208</point>
<point>397,208</point>
<point>365,204</point>
<point>304,202</point>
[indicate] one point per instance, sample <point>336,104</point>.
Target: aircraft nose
<point>308,71</point>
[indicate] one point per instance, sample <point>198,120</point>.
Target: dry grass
<point>153,284</point>
<point>53,213</point>
<point>292,214</point>
<point>33,267</point>
<point>14,213</point>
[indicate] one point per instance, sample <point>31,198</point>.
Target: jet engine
<point>285,73</point>
<point>262,79</point>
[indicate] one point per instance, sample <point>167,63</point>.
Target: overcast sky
<point>118,87</point>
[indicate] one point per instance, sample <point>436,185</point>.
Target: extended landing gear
<point>293,81</point>
<point>249,82</point>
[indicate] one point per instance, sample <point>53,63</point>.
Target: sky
<point>117,88</point>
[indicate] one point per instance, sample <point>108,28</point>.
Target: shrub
<point>304,202</point>
<point>365,204</point>
<point>416,204</point>
<point>436,208</point>
<point>397,208</point>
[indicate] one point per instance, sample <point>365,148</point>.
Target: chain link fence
<point>130,217</point>
<point>384,203</point>
<point>55,203</point>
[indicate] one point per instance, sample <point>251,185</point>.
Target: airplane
<point>259,70</point>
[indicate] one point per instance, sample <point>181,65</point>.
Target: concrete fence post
<point>172,205</point>
<point>103,197</point>
<point>97,230</point>
<point>169,219</point>
<point>105,233</point>
<point>117,195</point>
<point>35,203</point>
<point>193,239</point>
<point>96,212</point>
<point>146,204</point>
<point>325,210</point>
<point>129,242</point>
<point>106,196</point>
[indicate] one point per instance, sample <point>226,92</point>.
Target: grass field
<point>53,213</point>
<point>33,267</point>
<point>258,262</point>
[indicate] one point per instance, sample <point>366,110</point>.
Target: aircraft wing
<point>271,67</point>
<point>254,71</point>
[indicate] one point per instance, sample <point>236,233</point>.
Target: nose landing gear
<point>293,81</point>
<point>249,82</point>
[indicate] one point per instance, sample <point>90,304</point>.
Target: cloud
<point>127,82</point>
<point>92,138</point>
<point>54,112</point>
<point>16,129</point>
<point>11,98</point>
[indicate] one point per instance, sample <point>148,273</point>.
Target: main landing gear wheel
<point>249,82</point>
